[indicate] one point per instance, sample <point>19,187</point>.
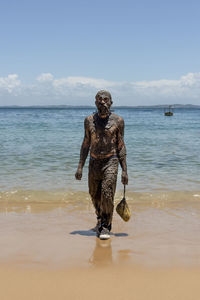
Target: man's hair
<point>105,93</point>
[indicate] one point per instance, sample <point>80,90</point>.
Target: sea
<point>40,148</point>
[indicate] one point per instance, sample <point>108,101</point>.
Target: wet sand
<point>48,251</point>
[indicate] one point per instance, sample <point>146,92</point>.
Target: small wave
<point>82,198</point>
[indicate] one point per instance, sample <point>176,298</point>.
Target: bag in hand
<point>123,209</point>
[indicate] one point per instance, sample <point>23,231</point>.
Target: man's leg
<point>108,188</point>
<point>95,189</point>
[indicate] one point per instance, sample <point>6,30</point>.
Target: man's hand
<point>124,178</point>
<point>78,174</point>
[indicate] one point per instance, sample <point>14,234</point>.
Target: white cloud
<point>81,90</point>
<point>45,77</point>
<point>74,81</point>
<point>191,80</point>
<point>9,83</point>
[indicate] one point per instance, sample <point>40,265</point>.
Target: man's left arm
<point>121,151</point>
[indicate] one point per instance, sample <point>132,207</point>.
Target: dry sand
<point>49,252</point>
<point>104,283</point>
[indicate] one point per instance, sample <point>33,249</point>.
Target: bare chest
<point>103,133</point>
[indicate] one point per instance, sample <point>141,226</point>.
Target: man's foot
<point>104,234</point>
<point>96,228</point>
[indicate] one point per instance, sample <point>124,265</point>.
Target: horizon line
<point>177,105</point>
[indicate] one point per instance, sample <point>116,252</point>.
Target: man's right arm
<point>84,151</point>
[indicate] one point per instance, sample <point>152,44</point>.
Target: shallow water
<point>46,215</point>
<point>27,200</point>
<point>39,149</point>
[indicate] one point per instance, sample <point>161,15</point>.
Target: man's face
<point>103,104</point>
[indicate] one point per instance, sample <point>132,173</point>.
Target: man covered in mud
<point>104,138</point>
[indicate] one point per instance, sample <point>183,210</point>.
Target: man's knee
<point>108,187</point>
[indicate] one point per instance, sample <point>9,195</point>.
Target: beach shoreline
<point>159,233</point>
<point>49,251</point>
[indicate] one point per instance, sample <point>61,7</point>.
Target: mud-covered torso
<point>103,135</point>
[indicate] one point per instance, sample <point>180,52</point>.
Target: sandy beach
<point>48,251</point>
<point>107,283</point>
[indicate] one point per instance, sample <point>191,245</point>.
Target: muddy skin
<point>104,138</point>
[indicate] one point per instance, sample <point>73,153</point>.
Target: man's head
<point>103,103</point>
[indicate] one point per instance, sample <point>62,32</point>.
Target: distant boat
<point>169,112</point>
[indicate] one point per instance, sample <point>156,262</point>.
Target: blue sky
<point>62,52</point>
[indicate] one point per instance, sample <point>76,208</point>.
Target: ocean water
<point>39,149</point>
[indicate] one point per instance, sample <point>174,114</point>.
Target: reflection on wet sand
<point>102,254</point>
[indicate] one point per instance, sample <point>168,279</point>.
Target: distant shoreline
<point>92,107</point>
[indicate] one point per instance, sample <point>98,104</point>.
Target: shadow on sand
<point>92,233</point>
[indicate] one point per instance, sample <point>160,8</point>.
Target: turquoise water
<point>39,148</point>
